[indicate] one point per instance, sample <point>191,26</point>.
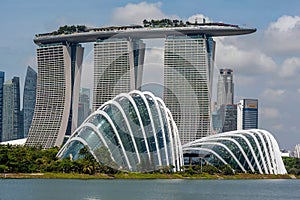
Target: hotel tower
<point>58,84</point>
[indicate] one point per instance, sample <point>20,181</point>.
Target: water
<point>55,189</point>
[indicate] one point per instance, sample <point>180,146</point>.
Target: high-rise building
<point>230,117</point>
<point>225,91</point>
<point>84,105</point>
<point>58,83</point>
<point>118,65</point>
<point>11,110</point>
<point>188,71</point>
<point>2,77</point>
<point>247,114</point>
<point>29,97</point>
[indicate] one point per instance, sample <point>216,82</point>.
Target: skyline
<point>261,69</point>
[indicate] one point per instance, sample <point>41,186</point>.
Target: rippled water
<point>31,189</point>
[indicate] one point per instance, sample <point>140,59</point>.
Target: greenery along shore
<point>29,162</point>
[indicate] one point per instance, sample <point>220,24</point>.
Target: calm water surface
<point>31,189</point>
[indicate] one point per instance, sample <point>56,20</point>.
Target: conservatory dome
<point>134,132</point>
<point>253,150</point>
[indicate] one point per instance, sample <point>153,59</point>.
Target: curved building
<point>134,131</point>
<point>57,95</point>
<point>252,150</point>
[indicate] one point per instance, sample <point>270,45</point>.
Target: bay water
<point>156,189</point>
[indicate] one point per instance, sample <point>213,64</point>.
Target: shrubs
<point>292,165</point>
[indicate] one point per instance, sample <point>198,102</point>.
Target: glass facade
<point>84,105</point>
<point>57,94</point>
<point>11,126</point>
<point>253,150</point>
<point>29,97</point>
<point>118,67</point>
<point>2,78</point>
<point>247,114</point>
<point>134,132</point>
<point>188,74</point>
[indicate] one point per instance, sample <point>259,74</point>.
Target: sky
<point>266,64</point>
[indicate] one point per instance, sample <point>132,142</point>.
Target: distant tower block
<point>225,92</point>
<point>188,71</point>
<point>118,68</point>
<point>59,76</point>
<point>29,98</point>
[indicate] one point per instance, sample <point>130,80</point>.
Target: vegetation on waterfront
<point>29,162</point>
<point>292,165</point>
<point>18,159</point>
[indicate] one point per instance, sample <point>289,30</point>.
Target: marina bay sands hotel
<point>119,53</point>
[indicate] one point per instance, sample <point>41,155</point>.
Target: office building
<point>84,105</point>
<point>225,90</point>
<point>2,78</point>
<point>247,114</point>
<point>11,129</point>
<point>230,117</point>
<point>118,65</point>
<point>58,83</point>
<point>29,97</point>
<point>188,71</point>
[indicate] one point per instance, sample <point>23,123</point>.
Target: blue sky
<point>266,64</point>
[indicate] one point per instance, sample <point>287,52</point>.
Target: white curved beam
<point>233,134</point>
<point>79,139</point>
<point>161,125</point>
<point>130,99</point>
<point>259,150</point>
<point>210,151</point>
<point>229,151</point>
<point>232,140</point>
<point>104,114</point>
<point>96,130</point>
<point>260,135</point>
<point>159,102</point>
<point>115,103</point>
<point>151,121</point>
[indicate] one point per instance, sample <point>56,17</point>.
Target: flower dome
<point>252,150</point>
<point>133,132</point>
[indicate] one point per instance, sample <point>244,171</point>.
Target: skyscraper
<point>247,114</point>
<point>2,77</point>
<point>188,70</point>
<point>118,65</point>
<point>225,91</point>
<point>84,105</point>
<point>29,96</point>
<point>58,83</point>
<point>11,110</point>
<point>230,117</point>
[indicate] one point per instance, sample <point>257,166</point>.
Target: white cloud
<point>136,13</point>
<point>245,61</point>
<point>270,113</point>
<point>273,95</point>
<point>282,36</point>
<point>290,68</point>
<point>153,67</point>
<point>199,18</point>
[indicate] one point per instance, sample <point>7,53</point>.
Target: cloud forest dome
<point>134,131</point>
<point>253,150</point>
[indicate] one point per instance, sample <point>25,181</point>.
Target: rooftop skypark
<point>149,29</point>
